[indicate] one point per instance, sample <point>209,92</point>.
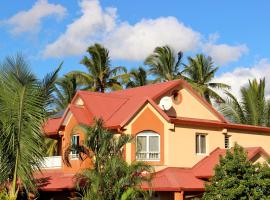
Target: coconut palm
<point>138,77</point>
<point>65,90</point>
<point>100,76</point>
<point>23,103</point>
<point>252,108</point>
<point>164,64</point>
<point>199,72</point>
<point>110,177</point>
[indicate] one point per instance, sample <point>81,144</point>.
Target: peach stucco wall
<point>76,164</point>
<point>182,152</point>
<point>190,107</point>
<point>179,141</point>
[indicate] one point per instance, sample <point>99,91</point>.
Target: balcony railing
<point>52,162</point>
<point>148,156</point>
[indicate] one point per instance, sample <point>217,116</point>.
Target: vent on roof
<point>165,103</point>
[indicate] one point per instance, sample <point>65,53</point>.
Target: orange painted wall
<point>76,164</point>
<point>148,121</point>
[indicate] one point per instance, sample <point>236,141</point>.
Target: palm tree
<point>100,76</point>
<point>164,64</point>
<point>111,177</point>
<point>65,90</point>
<point>138,77</point>
<point>199,72</point>
<point>23,103</point>
<point>252,108</point>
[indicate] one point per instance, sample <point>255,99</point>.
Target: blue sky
<point>234,33</point>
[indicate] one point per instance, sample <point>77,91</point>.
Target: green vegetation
<point>110,177</point>
<point>253,108</point>
<point>23,103</point>
<point>26,102</point>
<point>200,72</point>
<point>237,178</point>
<point>100,76</point>
<point>163,64</point>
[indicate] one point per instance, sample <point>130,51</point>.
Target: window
<point>148,146</point>
<point>75,141</point>
<point>200,143</point>
<point>227,141</point>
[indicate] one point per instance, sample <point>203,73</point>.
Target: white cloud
<point>239,76</point>
<point>125,41</point>
<point>223,54</point>
<point>93,24</point>
<point>30,20</point>
<point>135,42</point>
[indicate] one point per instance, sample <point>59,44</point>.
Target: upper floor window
<point>148,146</point>
<point>200,143</point>
<point>227,141</point>
<point>75,141</point>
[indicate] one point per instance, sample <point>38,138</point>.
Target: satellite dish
<point>165,103</point>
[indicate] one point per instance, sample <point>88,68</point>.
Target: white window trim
<point>74,156</point>
<point>148,134</point>
<point>200,134</point>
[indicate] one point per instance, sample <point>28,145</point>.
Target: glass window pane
<point>203,144</point>
<point>141,143</point>
<point>197,144</point>
<point>154,144</point>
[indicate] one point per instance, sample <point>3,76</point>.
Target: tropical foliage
<point>100,76</point>
<point>111,177</point>
<point>253,108</point>
<point>23,103</point>
<point>138,77</point>
<point>237,178</point>
<point>200,72</point>
<point>164,65</point>
<point>65,89</point>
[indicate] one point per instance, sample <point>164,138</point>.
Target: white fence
<point>52,162</point>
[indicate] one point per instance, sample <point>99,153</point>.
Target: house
<point>182,139</point>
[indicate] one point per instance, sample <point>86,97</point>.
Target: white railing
<point>148,156</point>
<point>52,162</point>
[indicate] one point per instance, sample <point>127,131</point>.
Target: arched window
<point>148,146</point>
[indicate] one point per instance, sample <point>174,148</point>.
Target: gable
<point>189,105</point>
<point>259,158</point>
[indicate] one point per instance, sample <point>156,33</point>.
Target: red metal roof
<point>205,167</point>
<point>118,107</point>
<point>54,180</point>
<point>168,179</point>
<point>174,179</point>
<point>51,126</point>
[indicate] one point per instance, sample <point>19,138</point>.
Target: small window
<point>227,141</point>
<point>75,141</point>
<point>200,143</point>
<point>148,146</point>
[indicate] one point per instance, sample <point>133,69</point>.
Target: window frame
<point>148,134</point>
<point>75,156</point>
<point>200,148</point>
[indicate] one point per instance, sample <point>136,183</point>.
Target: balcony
<point>52,162</point>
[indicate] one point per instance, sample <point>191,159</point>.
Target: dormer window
<point>148,146</point>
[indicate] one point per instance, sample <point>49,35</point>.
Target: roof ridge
<point>102,94</point>
<point>120,106</point>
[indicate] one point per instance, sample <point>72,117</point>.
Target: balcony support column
<point>179,195</point>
